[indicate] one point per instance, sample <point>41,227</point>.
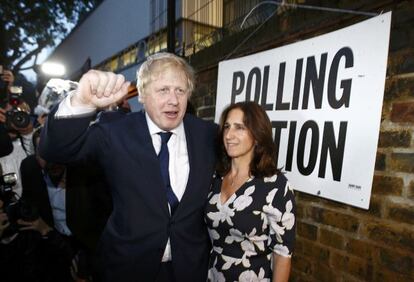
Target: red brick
<point>386,105</point>
<point>411,190</point>
<point>336,219</point>
<point>331,238</point>
<point>300,210</point>
<point>402,112</point>
<point>397,59</point>
<point>362,248</point>
<point>392,235</point>
<point>324,272</point>
<point>351,265</point>
<point>394,139</point>
<point>401,262</point>
<point>403,162</point>
<point>299,245</point>
<point>306,230</point>
<point>313,251</point>
<point>375,207</point>
<point>383,275</point>
<point>401,212</point>
<point>397,88</point>
<point>380,162</point>
<point>296,276</point>
<point>387,185</point>
<point>302,264</point>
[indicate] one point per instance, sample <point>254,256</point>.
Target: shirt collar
<point>154,129</point>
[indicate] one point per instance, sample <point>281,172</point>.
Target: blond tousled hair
<point>156,64</point>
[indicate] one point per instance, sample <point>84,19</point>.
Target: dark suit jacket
<point>137,231</point>
<point>35,188</point>
<point>42,260</point>
<point>88,203</point>
<point>6,145</point>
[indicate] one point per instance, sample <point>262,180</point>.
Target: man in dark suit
<point>159,185</point>
<point>48,250</point>
<point>88,203</point>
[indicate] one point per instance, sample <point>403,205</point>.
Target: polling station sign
<point>324,98</point>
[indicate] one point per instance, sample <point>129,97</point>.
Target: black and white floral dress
<point>258,219</point>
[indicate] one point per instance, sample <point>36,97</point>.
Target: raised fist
<point>98,89</point>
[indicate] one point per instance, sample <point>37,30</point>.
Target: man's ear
<point>141,98</point>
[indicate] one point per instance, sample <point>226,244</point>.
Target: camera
<point>16,116</point>
<point>14,207</point>
<point>7,181</point>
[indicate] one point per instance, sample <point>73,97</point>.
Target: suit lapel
<point>150,162</point>
<point>190,189</point>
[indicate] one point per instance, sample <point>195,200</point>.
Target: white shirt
<point>179,167</point>
<point>66,110</point>
<point>11,163</point>
<point>57,201</point>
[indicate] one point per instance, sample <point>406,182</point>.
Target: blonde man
<point>156,231</point>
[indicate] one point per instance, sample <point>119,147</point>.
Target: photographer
<point>37,245</point>
<point>35,252</point>
<point>8,79</point>
<point>44,189</point>
<point>12,255</point>
<point>20,136</point>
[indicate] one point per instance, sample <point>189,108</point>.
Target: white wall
<point>112,26</point>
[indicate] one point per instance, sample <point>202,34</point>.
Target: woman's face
<point>237,138</point>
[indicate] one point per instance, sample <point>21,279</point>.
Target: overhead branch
<point>28,56</point>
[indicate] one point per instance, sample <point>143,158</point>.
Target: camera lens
<point>20,119</point>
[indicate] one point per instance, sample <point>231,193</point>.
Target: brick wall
<point>337,242</point>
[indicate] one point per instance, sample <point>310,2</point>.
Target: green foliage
<point>28,26</point>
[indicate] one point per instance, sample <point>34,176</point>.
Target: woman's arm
<point>281,268</point>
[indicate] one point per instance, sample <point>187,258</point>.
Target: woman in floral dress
<point>250,211</point>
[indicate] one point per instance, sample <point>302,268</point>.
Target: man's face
<point>165,98</point>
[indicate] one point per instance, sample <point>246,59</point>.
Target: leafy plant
<point>28,26</point>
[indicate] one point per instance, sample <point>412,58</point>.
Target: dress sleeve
<point>281,215</point>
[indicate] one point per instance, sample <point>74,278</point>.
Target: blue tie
<point>164,158</point>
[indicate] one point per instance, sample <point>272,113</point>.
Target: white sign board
<point>324,98</point>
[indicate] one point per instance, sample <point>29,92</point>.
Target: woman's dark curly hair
<point>257,122</point>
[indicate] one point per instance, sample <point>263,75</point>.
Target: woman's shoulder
<point>278,179</point>
<point>278,184</point>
